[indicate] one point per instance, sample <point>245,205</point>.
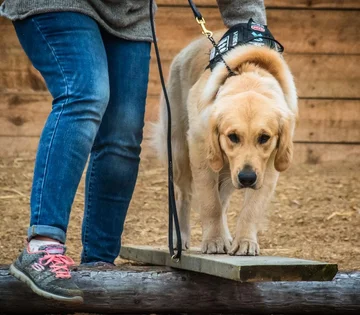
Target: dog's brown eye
<point>263,139</point>
<point>234,138</point>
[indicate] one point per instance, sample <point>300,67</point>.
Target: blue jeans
<point>99,86</point>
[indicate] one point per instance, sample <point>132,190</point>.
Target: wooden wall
<point>322,44</point>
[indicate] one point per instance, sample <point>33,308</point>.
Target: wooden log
<point>238,268</point>
<point>150,289</point>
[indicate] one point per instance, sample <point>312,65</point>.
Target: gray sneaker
<point>47,273</point>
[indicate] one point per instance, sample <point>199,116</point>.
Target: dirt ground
<point>315,213</point>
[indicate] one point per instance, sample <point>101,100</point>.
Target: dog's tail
<point>158,133</point>
<point>159,129</point>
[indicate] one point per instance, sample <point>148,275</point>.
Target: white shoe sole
<point>24,278</point>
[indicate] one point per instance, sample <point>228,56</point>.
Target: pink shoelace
<point>59,265</point>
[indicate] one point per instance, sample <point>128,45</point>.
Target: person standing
<point>94,56</point>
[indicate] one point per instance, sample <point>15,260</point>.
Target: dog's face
<point>248,131</point>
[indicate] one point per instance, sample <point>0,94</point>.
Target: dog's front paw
<point>215,245</point>
<point>244,247</point>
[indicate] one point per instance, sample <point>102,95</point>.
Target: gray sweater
<point>125,18</point>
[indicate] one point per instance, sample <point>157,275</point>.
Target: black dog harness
<point>249,33</point>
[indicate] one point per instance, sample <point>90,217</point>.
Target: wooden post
<point>165,290</point>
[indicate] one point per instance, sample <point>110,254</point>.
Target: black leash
<point>173,217</point>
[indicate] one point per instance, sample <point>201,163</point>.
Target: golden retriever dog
<point>228,132</point>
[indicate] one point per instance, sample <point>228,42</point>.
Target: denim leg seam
<point>57,121</point>
<point>88,208</point>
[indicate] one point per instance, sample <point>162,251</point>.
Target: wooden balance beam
<point>153,289</point>
<point>238,268</point>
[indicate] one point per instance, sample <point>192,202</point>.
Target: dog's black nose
<point>247,177</point>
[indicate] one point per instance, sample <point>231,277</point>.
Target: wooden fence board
<point>293,4</point>
<point>320,120</point>
<point>324,76</point>
<point>312,153</point>
<point>324,64</point>
<point>316,76</point>
<point>329,120</point>
<point>23,114</point>
<point>317,153</point>
<point>13,59</point>
<point>300,31</point>
<point>320,4</point>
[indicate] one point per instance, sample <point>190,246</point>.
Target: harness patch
<point>250,33</point>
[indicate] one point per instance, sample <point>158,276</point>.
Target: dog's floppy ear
<point>215,157</point>
<point>285,149</point>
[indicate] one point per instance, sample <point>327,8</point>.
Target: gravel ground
<point>315,213</point>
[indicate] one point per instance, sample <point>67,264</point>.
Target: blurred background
<point>315,213</point>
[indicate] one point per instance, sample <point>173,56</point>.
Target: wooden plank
<point>312,153</point>
<point>8,36</point>
<point>18,146</point>
<point>308,153</point>
<point>317,153</point>
<point>238,268</point>
<point>316,76</point>
<point>319,120</point>
<point>322,76</point>
<point>321,4</point>
<point>18,81</point>
<point>326,76</point>
<point>160,290</point>
<point>328,121</point>
<point>13,58</point>
<point>270,4</point>
<point>300,31</point>
<point>24,114</point>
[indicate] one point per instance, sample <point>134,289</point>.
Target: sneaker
<point>47,273</point>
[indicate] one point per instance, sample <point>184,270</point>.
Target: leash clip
<point>175,259</point>
<point>205,31</point>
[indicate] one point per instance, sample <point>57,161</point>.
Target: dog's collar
<point>249,33</point>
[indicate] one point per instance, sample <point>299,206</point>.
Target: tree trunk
<point>149,289</point>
